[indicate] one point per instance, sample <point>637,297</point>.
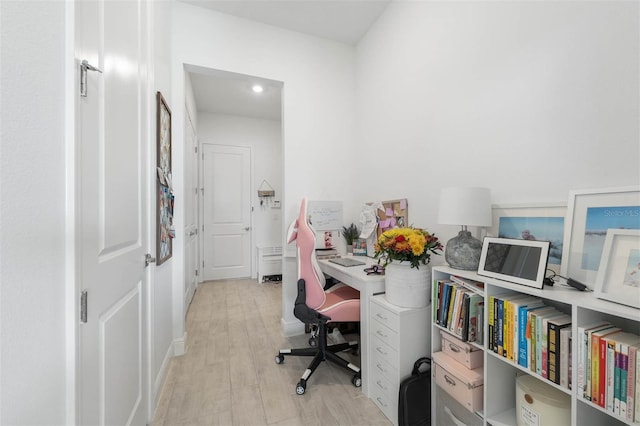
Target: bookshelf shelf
<point>565,306</point>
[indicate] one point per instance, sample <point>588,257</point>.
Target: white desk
<point>367,285</point>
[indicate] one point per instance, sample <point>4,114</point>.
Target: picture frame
<point>518,261</point>
<point>590,213</point>
<point>539,221</point>
<point>165,231</point>
<point>618,278</point>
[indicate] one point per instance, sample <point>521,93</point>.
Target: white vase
<point>406,286</point>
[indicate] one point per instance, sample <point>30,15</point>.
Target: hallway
<point>229,376</point>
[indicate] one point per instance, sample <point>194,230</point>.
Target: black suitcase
<point>414,401</point>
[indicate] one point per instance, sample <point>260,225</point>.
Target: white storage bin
<point>464,385</point>
<point>540,404</point>
<point>450,412</point>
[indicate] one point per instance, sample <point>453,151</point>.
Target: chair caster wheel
<point>313,342</point>
<point>279,359</point>
<point>356,380</point>
<point>301,387</point>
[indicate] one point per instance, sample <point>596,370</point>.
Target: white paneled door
<point>112,180</point>
<point>191,211</point>
<point>227,211</point>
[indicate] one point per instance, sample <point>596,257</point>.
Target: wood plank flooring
<point>229,376</point>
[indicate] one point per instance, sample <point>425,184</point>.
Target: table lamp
<point>465,207</point>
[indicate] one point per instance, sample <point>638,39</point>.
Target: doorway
<point>239,133</point>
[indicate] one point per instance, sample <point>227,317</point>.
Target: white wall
<point>33,386</point>
<point>531,99</point>
<point>318,103</point>
<point>264,137</point>
<point>161,283</point>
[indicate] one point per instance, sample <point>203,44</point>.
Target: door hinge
<point>84,67</point>
<point>196,272</point>
<point>83,306</point>
<point>196,149</point>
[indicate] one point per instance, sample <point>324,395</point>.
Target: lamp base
<point>463,252</point>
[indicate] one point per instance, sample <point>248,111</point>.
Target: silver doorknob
<point>148,259</point>
<point>247,228</point>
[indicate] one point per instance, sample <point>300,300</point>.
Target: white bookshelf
<point>500,374</point>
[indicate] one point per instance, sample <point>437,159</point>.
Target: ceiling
<point>344,21</point>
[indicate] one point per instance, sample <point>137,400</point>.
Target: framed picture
<point>164,212</point>
<point>533,222</point>
<point>618,278</point>
<point>590,213</point>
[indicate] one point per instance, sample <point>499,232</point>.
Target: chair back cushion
<point>308,268</point>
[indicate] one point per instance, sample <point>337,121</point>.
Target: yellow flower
<point>413,245</point>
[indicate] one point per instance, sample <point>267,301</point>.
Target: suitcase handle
<point>416,366</point>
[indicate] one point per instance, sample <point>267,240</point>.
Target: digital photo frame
<point>518,261</point>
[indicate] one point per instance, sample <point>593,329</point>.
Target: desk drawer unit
<point>397,338</point>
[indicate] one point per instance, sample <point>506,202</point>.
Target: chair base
<point>322,352</point>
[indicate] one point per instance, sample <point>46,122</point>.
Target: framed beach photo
<point>533,222</point>
<point>590,213</point>
<point>618,278</point>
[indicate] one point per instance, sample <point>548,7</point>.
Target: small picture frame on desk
<point>360,247</point>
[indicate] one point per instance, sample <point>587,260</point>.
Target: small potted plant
<point>350,234</point>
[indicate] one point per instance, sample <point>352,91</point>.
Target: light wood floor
<point>229,376</point>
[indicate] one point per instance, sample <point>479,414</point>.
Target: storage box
<point>449,412</point>
<point>463,352</point>
<point>538,403</point>
<point>465,385</point>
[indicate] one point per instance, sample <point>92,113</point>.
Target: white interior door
<point>191,212</point>
<point>112,140</point>
<point>227,212</point>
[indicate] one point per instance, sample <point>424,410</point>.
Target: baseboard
<point>162,376</point>
<point>293,328</point>
<point>180,345</point>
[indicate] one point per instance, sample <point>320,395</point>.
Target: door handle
<point>148,259</point>
<point>247,228</point>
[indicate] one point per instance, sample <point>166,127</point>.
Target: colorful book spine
<point>596,355</point>
<point>500,328</point>
<point>553,346</point>
<point>491,324</point>
<point>631,382</point>
<point>565,357</point>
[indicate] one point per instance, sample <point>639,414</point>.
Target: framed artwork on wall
<point>618,278</point>
<point>590,214</point>
<point>533,222</point>
<point>164,211</point>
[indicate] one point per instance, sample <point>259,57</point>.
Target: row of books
<point>459,309</point>
<point>608,368</point>
<point>527,332</point>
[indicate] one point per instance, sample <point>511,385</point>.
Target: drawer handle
<point>379,349</point>
<point>382,317</point>
<point>449,380</point>
<point>454,348</point>
<point>383,387</point>
<point>380,401</point>
<point>381,368</point>
<point>381,334</point>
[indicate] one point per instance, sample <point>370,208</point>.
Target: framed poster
<point>533,222</point>
<point>164,212</point>
<point>590,213</point>
<point>618,278</point>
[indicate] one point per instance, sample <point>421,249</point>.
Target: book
<point>595,362</point>
<point>631,381</point>
<point>588,356</point>
<point>554,325</point>
<point>469,283</point>
<point>500,327</point>
<point>623,348</point>
<point>582,347</point>
<point>491,324</point>
<point>462,328</point>
<point>452,299</point>
<point>617,347</point>
<point>565,357</point>
<point>513,316</point>
<point>521,346</point>
<point>636,411</point>
<point>446,295</point>
<point>481,333</point>
<point>532,335</point>
<point>541,340</point>
<point>475,301</point>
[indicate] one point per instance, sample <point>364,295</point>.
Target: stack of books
<point>326,253</point>
<point>608,365</point>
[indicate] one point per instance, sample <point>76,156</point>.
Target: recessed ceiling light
<point>257,88</point>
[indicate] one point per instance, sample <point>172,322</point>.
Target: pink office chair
<point>316,306</point>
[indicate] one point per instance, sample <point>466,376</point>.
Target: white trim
<point>161,378</point>
<point>72,342</point>
<point>292,328</point>
<point>180,345</point>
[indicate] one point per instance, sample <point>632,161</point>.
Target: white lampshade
<point>465,206</point>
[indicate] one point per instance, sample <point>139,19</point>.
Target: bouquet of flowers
<point>413,245</point>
